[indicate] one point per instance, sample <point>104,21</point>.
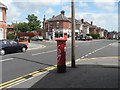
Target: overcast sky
<point>103,13</point>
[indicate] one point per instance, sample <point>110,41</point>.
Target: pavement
<point>99,72</point>
<point>33,46</point>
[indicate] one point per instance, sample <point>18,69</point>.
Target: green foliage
<point>21,27</point>
<point>10,36</point>
<point>95,36</point>
<point>33,23</point>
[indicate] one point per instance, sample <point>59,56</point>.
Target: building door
<point>1,33</point>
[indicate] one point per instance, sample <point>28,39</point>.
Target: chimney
<point>44,18</point>
<point>91,23</point>
<point>63,12</point>
<point>44,27</point>
<point>82,20</point>
<point>53,16</point>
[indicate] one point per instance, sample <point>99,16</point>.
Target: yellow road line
<point>38,72</point>
<point>100,58</point>
<point>13,83</point>
<point>10,81</point>
<point>33,73</point>
<point>43,46</point>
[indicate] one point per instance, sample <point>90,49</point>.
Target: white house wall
<point>88,32</point>
<point>68,31</point>
<point>1,17</point>
<point>101,34</point>
<point>84,28</point>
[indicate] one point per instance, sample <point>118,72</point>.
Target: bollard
<point>61,54</point>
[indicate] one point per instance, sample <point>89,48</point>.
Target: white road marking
<point>93,52</point>
<point>82,56</point>
<point>86,55</point>
<point>6,60</point>
<point>96,50</point>
<point>44,52</point>
<point>89,53</point>
<point>48,52</point>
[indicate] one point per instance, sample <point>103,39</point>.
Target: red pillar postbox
<point>61,54</point>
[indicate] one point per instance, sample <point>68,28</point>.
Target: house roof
<point>76,21</point>
<point>10,26</point>
<point>59,17</point>
<point>3,6</point>
<point>87,23</point>
<point>92,26</point>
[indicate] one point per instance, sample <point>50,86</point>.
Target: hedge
<point>95,36</point>
<point>10,36</point>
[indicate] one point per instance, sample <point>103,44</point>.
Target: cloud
<point>83,4</point>
<point>66,8</point>
<point>37,13</point>
<point>108,5</point>
<point>105,1</point>
<point>6,2</point>
<point>101,20</point>
<point>33,5</point>
<point>40,2</point>
<point>12,13</point>
<point>50,11</point>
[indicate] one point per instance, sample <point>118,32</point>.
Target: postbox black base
<point>61,69</point>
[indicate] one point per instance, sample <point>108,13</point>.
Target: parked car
<point>84,38</point>
<point>36,38</point>
<point>78,37</point>
<point>25,38</point>
<point>89,38</point>
<point>9,46</point>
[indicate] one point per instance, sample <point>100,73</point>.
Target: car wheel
<point>2,52</point>
<point>23,49</point>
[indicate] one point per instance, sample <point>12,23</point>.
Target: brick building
<point>57,26</point>
<point>3,29</point>
<point>10,29</point>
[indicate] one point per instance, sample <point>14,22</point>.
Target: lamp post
<point>73,35</point>
<point>16,30</point>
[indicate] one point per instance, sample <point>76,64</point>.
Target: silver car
<point>36,38</point>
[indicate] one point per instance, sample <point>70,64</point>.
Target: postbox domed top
<point>61,39</point>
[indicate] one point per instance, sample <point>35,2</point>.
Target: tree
<point>21,27</point>
<point>33,23</point>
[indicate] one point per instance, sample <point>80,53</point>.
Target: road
<point>18,64</point>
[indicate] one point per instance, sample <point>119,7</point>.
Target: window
<point>46,27</point>
<point>1,19</point>
<point>1,33</point>
<point>57,24</point>
<point>50,25</point>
